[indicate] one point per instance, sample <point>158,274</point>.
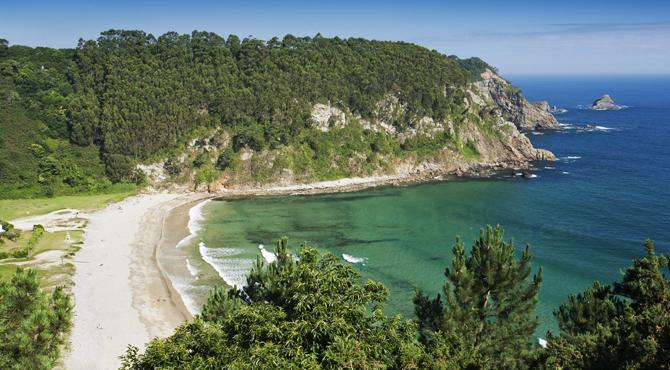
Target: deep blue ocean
<point>586,215</point>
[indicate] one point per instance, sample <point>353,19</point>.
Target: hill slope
<point>202,108</point>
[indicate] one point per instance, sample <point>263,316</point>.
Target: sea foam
<point>267,255</point>
<point>233,270</point>
<point>352,259</point>
<point>195,220</point>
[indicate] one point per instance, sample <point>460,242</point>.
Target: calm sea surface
<point>585,216</point>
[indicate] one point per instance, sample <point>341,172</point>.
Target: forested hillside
<point>36,156</point>
<point>79,120</point>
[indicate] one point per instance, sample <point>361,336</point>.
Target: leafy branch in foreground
<point>620,326</point>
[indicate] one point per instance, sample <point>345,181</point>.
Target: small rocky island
<point>604,102</point>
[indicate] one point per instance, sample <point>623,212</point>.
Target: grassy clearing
<point>16,208</point>
<point>10,245</point>
<point>59,275</point>
<point>50,275</point>
<point>58,241</point>
<point>6,271</point>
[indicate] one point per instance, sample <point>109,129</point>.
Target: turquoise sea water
<point>585,216</point>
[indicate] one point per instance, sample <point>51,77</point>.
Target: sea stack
<point>604,102</point>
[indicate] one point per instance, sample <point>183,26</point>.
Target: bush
<point>225,159</point>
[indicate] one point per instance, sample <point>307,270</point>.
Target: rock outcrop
<point>604,102</point>
<point>326,117</point>
<point>544,105</point>
<point>512,105</point>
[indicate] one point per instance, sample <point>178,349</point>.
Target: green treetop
<point>624,326</point>
<point>488,315</point>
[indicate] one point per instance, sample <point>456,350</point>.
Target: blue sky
<point>519,37</point>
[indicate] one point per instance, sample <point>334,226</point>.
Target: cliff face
<point>512,106</point>
<point>482,135</point>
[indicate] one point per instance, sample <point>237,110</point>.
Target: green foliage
<point>261,92</point>
<point>36,158</point>
<point>32,322</point>
<point>469,150</point>
<point>473,66</point>
<point>624,326</point>
<point>310,312</point>
<point>225,159</point>
<point>206,175</point>
<point>9,232</point>
<point>4,45</point>
<point>487,317</point>
<point>129,96</point>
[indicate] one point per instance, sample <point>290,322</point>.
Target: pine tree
<point>32,323</point>
<point>488,313</point>
<point>623,326</point>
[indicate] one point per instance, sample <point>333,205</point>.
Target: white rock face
<point>246,154</point>
<point>154,171</point>
<point>321,116</point>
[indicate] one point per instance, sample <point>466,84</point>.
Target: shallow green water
<point>403,235</point>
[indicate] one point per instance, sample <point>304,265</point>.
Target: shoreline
<point>120,293</point>
<point>351,184</point>
<point>178,218</point>
<point>175,296</point>
<point>180,215</point>
<point>123,261</point>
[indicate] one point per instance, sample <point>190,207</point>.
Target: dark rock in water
<point>604,102</point>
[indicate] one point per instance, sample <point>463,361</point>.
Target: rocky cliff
<point>512,106</point>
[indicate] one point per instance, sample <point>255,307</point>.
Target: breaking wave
<point>267,255</point>
<point>352,259</point>
<point>195,219</point>
<point>233,270</point>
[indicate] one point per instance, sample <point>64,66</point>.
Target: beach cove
<point>586,215</point>
<point>399,235</point>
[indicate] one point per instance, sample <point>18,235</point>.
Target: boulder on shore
<point>604,102</point>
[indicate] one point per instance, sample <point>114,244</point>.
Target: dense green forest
<point>78,120</point>
<point>310,311</point>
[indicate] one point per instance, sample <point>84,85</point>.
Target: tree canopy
<point>487,318</point>
<point>77,120</point>
<point>625,325</point>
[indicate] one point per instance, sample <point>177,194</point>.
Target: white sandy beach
<point>119,293</point>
